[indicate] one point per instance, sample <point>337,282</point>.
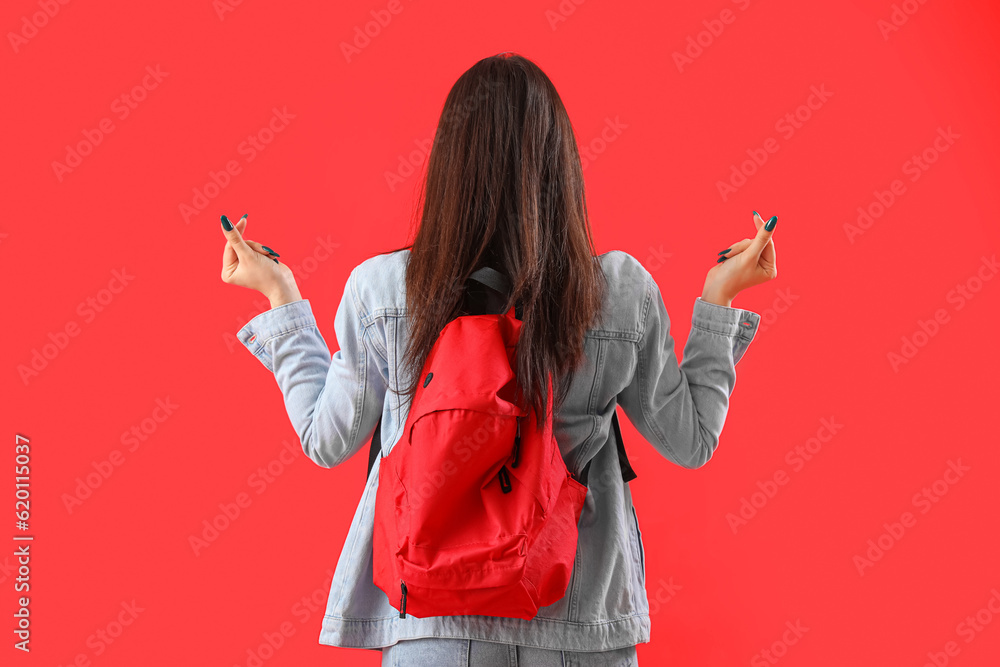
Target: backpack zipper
<point>517,443</point>
<point>402,606</point>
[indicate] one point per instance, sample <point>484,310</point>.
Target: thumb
<point>763,236</point>
<point>235,238</point>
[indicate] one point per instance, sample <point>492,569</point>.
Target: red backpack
<point>476,511</point>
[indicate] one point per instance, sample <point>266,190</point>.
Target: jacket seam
<point>361,370</point>
<point>595,418</point>
<point>640,368</point>
<point>279,334</point>
<point>714,331</point>
<point>537,619</point>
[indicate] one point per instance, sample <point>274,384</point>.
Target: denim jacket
<point>334,404</point>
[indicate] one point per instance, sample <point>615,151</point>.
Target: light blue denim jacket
<point>334,404</point>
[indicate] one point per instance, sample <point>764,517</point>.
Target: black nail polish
<point>771,223</point>
<point>721,259</point>
<point>276,261</point>
<point>725,251</point>
<point>756,213</point>
<point>270,251</point>
<point>228,226</point>
<point>244,216</point>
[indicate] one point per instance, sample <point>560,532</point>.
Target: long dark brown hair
<point>504,188</point>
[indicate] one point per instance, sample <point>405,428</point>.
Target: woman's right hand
<point>746,263</point>
<point>252,265</point>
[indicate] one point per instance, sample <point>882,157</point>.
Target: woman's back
<point>629,360</point>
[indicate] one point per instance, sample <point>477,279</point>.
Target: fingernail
<point>228,226</point>
<point>771,223</point>
<point>756,213</point>
<point>244,217</point>
<point>276,261</point>
<point>270,251</point>
<point>725,251</point>
<point>721,259</point>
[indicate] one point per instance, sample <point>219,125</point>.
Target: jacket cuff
<point>737,322</point>
<point>265,327</point>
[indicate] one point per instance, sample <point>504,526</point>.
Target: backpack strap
<point>628,474</point>
<point>376,447</point>
<point>498,282</point>
<point>491,278</point>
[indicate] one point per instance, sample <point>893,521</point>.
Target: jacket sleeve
<point>333,403</point>
<point>681,409</point>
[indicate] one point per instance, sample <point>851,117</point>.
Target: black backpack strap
<point>491,278</point>
<point>376,447</point>
<point>500,283</point>
<point>496,281</point>
<point>628,474</point>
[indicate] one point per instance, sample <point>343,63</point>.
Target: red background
<point>169,334</point>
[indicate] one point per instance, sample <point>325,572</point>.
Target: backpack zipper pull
<point>402,606</point>
<point>517,444</point>
<point>504,479</point>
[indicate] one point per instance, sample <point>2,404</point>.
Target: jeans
<point>448,652</point>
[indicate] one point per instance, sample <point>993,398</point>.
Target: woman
<point>504,188</point>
